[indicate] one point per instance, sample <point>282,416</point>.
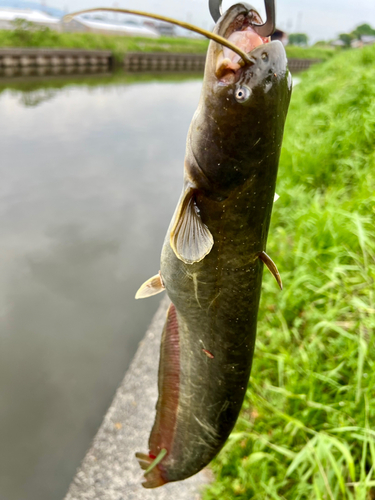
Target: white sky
<point>320,19</point>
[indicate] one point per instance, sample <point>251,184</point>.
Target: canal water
<point>91,170</point>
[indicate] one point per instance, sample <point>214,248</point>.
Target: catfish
<point>213,254</point>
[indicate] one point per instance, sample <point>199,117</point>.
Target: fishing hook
<point>266,29</point>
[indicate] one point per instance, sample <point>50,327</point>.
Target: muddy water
<point>90,175</point>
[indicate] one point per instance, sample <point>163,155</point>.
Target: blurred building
<point>88,24</point>
<point>39,5</point>
<point>165,29</point>
<point>281,36</point>
<point>368,39</point>
<point>338,43</point>
<point>38,18</point>
<point>364,40</point>
<point>356,44</point>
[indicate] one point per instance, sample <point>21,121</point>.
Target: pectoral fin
<point>151,287</point>
<point>190,239</point>
<point>272,267</point>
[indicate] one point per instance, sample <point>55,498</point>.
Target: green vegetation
<point>27,35</point>
<point>298,39</point>
<point>307,431</point>
<point>362,30</point>
<point>346,38</point>
<point>323,53</point>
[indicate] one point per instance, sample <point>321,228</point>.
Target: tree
<point>363,29</point>
<point>298,39</point>
<point>346,38</point>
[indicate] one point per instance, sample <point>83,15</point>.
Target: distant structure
<point>32,5</point>
<point>164,29</point>
<point>89,24</point>
<point>357,43</point>
<point>8,16</point>
<point>85,24</point>
<point>368,39</point>
<point>338,43</point>
<point>281,36</point>
<point>363,41</point>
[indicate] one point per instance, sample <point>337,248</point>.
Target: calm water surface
<point>90,176</point>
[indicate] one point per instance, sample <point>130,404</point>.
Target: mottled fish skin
<point>208,343</point>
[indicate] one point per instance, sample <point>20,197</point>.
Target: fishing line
<point>212,36</point>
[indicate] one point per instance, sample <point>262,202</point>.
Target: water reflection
<point>90,177</point>
<point>30,71</point>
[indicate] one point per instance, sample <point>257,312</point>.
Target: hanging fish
<point>213,254</point>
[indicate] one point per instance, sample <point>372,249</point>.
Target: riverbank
<point>110,470</point>
<point>120,45</point>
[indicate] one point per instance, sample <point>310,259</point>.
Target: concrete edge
<point>110,471</point>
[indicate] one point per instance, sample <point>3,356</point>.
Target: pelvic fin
<point>151,287</point>
<point>272,267</point>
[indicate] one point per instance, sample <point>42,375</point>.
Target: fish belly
<point>212,327</point>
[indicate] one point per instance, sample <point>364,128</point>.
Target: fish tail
<point>164,429</point>
<point>153,474</point>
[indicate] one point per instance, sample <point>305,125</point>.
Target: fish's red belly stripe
<point>163,432</point>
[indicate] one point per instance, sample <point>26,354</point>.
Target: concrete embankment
<point>86,60</point>
<point>110,471</point>
<point>163,61</point>
<point>45,62</point>
<point>149,61</point>
<point>26,57</point>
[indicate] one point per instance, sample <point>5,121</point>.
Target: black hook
<point>216,9</point>
<point>266,29</point>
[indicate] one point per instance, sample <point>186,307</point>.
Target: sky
<point>320,19</point>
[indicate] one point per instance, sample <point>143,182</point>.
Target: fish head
<point>243,106</point>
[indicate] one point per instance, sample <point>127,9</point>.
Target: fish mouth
<point>237,26</point>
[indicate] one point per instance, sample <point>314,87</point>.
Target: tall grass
<point>307,429</point>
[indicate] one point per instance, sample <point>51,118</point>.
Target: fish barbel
<point>213,254</point>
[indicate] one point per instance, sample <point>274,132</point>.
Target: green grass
<point>322,53</point>
<point>36,37</point>
<point>306,431</point>
<point>118,44</point>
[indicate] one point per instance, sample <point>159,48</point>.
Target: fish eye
<point>242,94</point>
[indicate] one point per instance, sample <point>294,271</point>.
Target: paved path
<point>110,471</point>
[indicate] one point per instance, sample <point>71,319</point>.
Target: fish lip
<point>226,26</point>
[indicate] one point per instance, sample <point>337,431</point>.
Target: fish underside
<point>213,254</point>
